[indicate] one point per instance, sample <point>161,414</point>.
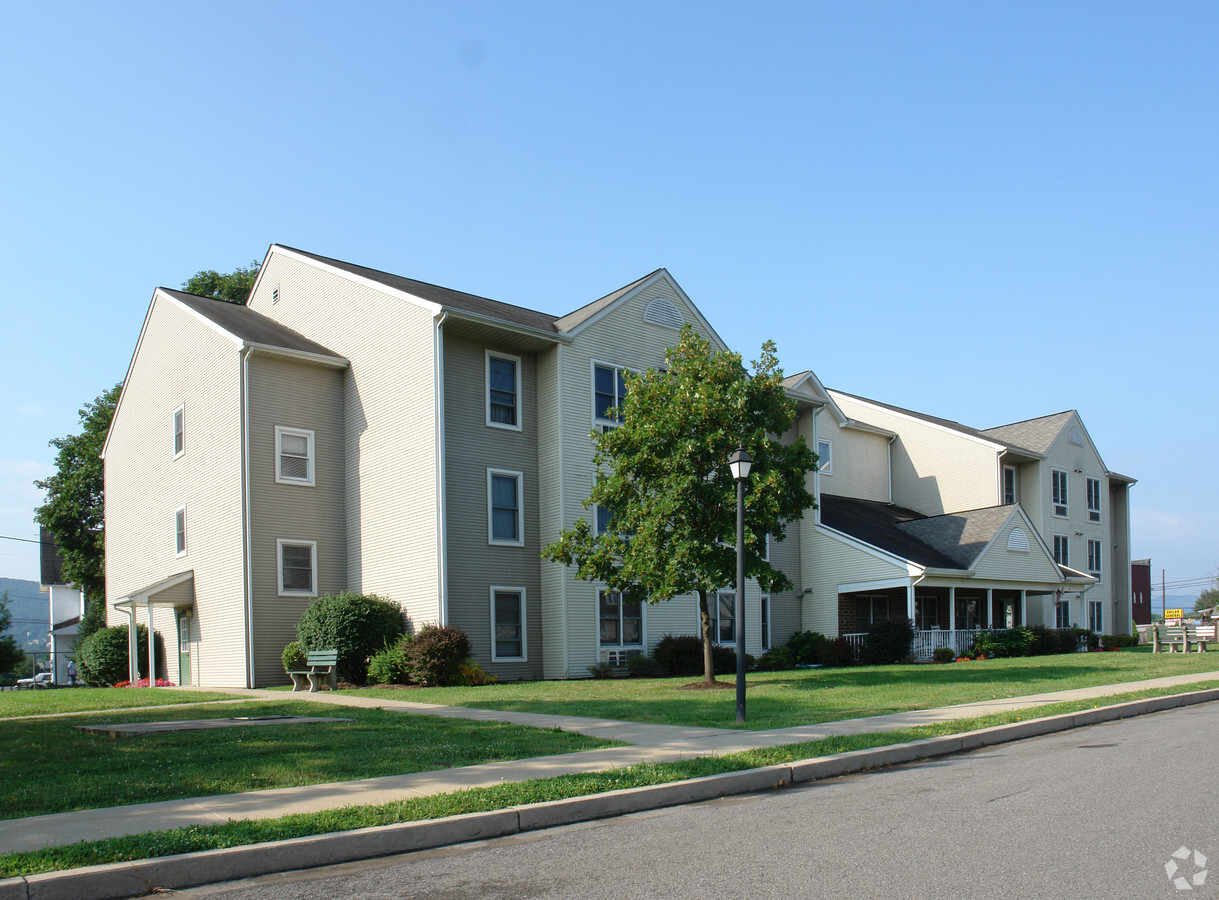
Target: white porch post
<point>152,654</point>
<point>133,647</point>
<point>910,602</point>
<point>1024,620</point>
<point>990,607</point>
<point>952,609</point>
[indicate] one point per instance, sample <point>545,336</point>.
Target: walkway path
<point>643,743</point>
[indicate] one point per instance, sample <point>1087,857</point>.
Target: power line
<point>5,537</point>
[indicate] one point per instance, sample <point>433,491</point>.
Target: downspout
<point>910,597</point>
<point>246,538</point>
<point>442,537</point>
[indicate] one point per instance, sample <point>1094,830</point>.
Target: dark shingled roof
<point>947,423</point>
<point>950,541</point>
<point>247,325</point>
<point>492,309</point>
<point>1038,433</point>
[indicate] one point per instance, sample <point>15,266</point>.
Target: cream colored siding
<point>471,448</point>
<point>833,562</point>
<point>390,411</point>
<point>297,395</point>
<point>860,462</point>
<point>621,338</point>
<point>935,470</point>
<point>553,577</point>
<point>181,361</point>
<point>1001,564</point>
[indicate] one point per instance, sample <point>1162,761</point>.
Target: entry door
<point>183,648</point>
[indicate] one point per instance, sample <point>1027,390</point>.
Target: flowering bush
<point>143,682</point>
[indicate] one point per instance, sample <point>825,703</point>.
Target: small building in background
<point>67,606</point>
<point>1140,591</point>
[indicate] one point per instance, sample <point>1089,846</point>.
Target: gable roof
<point>949,424</point>
<point>1036,434</point>
<point>878,524</point>
<point>961,536</point>
<point>584,313</point>
<point>248,326</point>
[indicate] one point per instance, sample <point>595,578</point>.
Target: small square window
<point>297,568</point>
<point>503,391</point>
<point>294,456</point>
<point>505,523</point>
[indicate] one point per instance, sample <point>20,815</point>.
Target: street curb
<point>131,879</point>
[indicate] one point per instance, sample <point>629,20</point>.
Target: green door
<point>183,647</point>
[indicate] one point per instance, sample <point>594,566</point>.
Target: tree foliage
<point>11,654</point>
<point>664,478</point>
<point>1208,598</point>
<point>73,509</point>
<point>232,287</point>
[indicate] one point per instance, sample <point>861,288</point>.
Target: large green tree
<point>73,509</point>
<point>11,654</point>
<point>665,495</point>
<point>233,287</point>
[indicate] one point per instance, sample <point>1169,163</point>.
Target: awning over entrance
<point>173,592</point>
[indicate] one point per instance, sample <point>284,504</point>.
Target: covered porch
<point>176,593</point>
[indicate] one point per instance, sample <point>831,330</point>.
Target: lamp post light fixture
<point>740,462</point>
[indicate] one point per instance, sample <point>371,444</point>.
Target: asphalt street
<point>1094,812</point>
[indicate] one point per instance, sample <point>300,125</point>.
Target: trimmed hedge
<point>356,625</point>
<point>101,659</point>
<point>887,642</point>
<point>436,655</point>
<point>683,655</point>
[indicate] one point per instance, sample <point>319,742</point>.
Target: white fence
<point>925,643</point>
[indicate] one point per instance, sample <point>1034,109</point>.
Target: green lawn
<point>804,696</point>
<point>37,703</point>
<point>46,765</point>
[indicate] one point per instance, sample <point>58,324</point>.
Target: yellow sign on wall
<point>1173,613</point>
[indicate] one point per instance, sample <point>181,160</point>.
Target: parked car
<point>41,680</point>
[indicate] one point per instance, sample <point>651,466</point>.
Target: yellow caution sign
<point>1174,613</point>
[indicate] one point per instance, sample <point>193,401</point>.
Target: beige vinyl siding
<point>553,577</point>
<point>621,338</point>
<point>832,561</point>
<point>934,470</point>
<point>296,395</point>
<point>999,563</point>
<point>181,361</point>
<point>860,462</point>
<point>471,448</point>
<point>390,412</point>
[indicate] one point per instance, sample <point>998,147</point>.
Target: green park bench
<point>1181,636</point>
<point>319,668</point>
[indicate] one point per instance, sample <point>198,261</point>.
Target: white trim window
<point>180,531</point>
<point>619,619</point>
<point>1094,563</point>
<point>294,456</point>
<point>765,621</point>
<point>508,635</point>
<point>297,567</point>
<point>1062,614</point>
<point>1096,616</point>
<point>503,391</point>
<point>1093,499</point>
<point>1010,493</point>
<point>609,393</point>
<point>825,457</point>
<point>1059,479</point>
<point>505,512</point>
<point>1062,550</point>
<point>179,431</point>
<point>723,617</point>
<point>870,609</point>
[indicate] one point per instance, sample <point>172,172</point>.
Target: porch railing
<point>926,642</point>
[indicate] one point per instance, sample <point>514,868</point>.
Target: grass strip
<point>197,838</point>
<point>68,700</point>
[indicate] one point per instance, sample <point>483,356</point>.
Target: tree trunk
<point>704,614</point>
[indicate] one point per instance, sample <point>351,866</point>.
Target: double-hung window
<point>1059,479</point>
<point>505,524</point>
<point>1009,485</point>
<point>723,617</point>
<point>1093,499</point>
<point>825,457</point>
<point>508,624</point>
<point>297,567</point>
<point>1094,566</point>
<point>765,624</point>
<point>503,391</point>
<point>180,531</point>
<point>294,456</point>
<point>1062,616</point>
<point>1096,616</point>
<point>179,431</point>
<point>609,393</point>
<point>1062,550</point>
<point>870,610</point>
<point>621,619</point>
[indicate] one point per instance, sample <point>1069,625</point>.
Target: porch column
<point>990,607</point>
<point>952,609</point>
<point>1023,611</point>
<point>152,653</point>
<point>133,647</point>
<point>910,602</point>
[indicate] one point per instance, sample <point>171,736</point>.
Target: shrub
<point>888,642</point>
<point>1120,640</point>
<point>1044,641</point>
<point>356,625</point>
<point>944,654</point>
<point>837,652</point>
<point>679,654</point>
<point>777,658</point>
<point>436,655</point>
<point>471,674</point>
<point>101,659</point>
<point>388,666</point>
<point>1085,636</point>
<point>806,647</point>
<point>643,667</point>
<point>601,670</point>
<point>293,657</point>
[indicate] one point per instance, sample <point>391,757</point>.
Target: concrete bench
<point>319,669</point>
<point>1182,636</point>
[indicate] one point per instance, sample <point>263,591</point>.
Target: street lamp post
<point>740,462</point>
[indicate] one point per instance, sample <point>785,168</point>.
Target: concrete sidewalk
<point>644,743</point>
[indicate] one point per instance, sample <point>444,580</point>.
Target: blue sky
<point>983,211</point>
